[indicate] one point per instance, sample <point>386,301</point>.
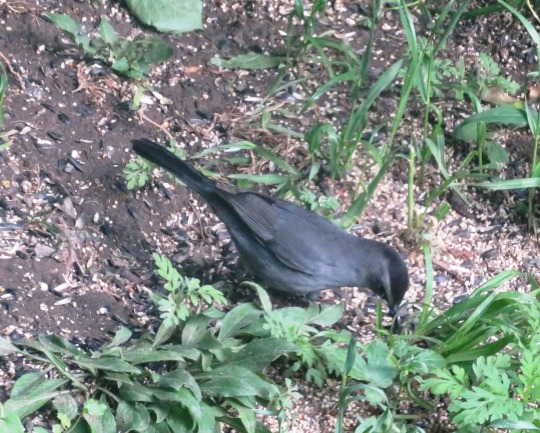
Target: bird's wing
<point>299,239</point>
<point>257,212</point>
<point>308,240</point>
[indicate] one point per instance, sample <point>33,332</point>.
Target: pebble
<point>44,144</point>
<point>441,278</point>
<point>42,250</point>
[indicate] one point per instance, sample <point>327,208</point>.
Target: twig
<point>13,72</point>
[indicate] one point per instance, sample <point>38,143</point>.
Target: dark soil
<point>97,247</point>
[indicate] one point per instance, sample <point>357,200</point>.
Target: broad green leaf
<point>65,22</point>
<point>122,336</point>
<point>31,401</point>
<point>107,32</point>
<point>66,405</point>
<point>155,50</point>
<point>99,417</point>
<point>121,65</point>
<point>259,353</point>
<point>11,423</point>
<point>26,384</point>
<point>59,345</point>
<point>195,329</point>
<point>178,379</point>
<point>169,16</point>
<point>192,404</point>
<point>506,115</point>
<point>247,416</point>
<point>108,364</point>
<point>248,61</point>
<point>378,368</point>
<point>238,318</point>
<point>132,417</point>
<point>234,381</point>
<point>497,154</point>
<point>143,354</point>
<point>325,315</point>
<point>179,420</point>
<point>517,425</point>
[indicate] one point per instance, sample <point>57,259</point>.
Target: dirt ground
<point>76,244</point>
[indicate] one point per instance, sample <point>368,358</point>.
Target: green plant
<point>199,370</point>
<point>173,16</point>
<point>497,393</point>
<point>130,58</point>
<point>490,344</point>
<point>3,90</point>
<point>498,390</point>
<point>389,368</point>
<point>172,307</point>
<point>323,205</point>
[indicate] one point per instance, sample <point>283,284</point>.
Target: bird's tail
<point>160,156</point>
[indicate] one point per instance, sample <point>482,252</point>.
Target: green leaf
<point>234,381</point>
<point>168,272</point>
<point>195,329</point>
<point>265,179</point>
<point>248,61</point>
<point>26,383</point>
<point>238,318</point>
<point>169,16</point>
<point>107,32</point>
<point>145,353</point>
<point>58,344</point>
<point>192,404</point>
<point>179,421</point>
<point>497,154</point>
<point>514,425</point>
<point>99,417</point>
<point>207,423</point>
<point>178,379</point>
<point>324,315</point>
<point>131,417</point>
<point>247,416</point>
<point>66,405</point>
<point>155,50</point>
<point>506,115</point>
<point>66,23</point>
<point>259,353</point>
<point>377,368</point>
<point>499,185</point>
<point>32,400</point>
<point>11,423</point>
<point>120,65</point>
<point>122,336</point>
<point>263,296</point>
<point>108,364</point>
<point>6,347</point>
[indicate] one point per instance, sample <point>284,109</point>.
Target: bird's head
<point>391,280</point>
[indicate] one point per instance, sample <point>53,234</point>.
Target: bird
<point>291,249</point>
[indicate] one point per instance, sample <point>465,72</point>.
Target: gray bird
<point>288,247</point>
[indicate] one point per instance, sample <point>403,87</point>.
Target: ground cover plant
<point>200,364</point>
